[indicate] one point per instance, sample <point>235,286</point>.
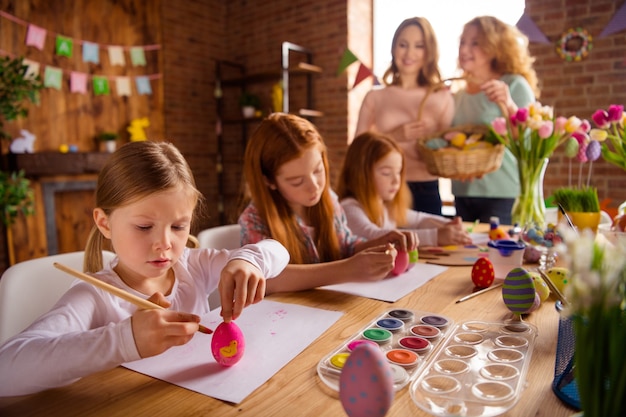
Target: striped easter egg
<point>518,291</point>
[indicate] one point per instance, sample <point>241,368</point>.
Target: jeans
<point>472,208</point>
<point>426,196</point>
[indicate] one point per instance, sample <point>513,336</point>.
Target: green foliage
<point>249,99</point>
<point>578,200</point>
<point>14,89</point>
<point>104,136</point>
<point>16,196</point>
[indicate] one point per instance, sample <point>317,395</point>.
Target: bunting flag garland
<point>101,86</point>
<point>52,77</point>
<point>347,59</point>
<point>36,36</point>
<point>362,74</point>
<point>91,52</point>
<point>33,69</point>
<point>78,82</point>
<point>64,46</point>
<point>122,86</point>
<point>617,23</point>
<point>528,27</point>
<point>116,56</point>
<point>143,85</point>
<point>137,57</point>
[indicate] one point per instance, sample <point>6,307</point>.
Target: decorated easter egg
<point>518,291</point>
<point>228,344</point>
<point>536,304</point>
<point>594,149</point>
<point>483,273</point>
<point>540,286</point>
<point>559,277</point>
<point>366,383</point>
<point>436,143</point>
<point>413,258</point>
<point>402,262</point>
<point>571,147</point>
<point>498,233</point>
<point>458,140</point>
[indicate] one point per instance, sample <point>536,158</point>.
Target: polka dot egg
<point>366,383</point>
<point>483,273</point>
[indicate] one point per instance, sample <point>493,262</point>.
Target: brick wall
<point>251,32</point>
<point>580,88</point>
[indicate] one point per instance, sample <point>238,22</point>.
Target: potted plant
<point>581,205</point>
<point>16,196</point>
<point>249,104</point>
<point>110,140</point>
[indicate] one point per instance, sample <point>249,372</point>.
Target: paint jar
<point>505,255</point>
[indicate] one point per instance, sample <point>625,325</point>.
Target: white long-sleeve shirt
<point>89,330</point>
<point>424,224</point>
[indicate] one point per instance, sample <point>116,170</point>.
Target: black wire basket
<point>564,383</point>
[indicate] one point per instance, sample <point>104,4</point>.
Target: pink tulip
<point>601,119</point>
<point>585,126</point>
<point>521,115</point>
<point>559,125</point>
<point>545,131</point>
<point>499,125</point>
<point>615,113</point>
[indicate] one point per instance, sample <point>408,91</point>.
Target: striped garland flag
<point>347,59</point>
<point>116,55</point>
<point>122,86</point>
<point>32,72</point>
<point>528,27</point>
<point>137,56</point>
<point>143,85</point>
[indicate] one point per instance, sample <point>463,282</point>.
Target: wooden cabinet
<point>294,79</point>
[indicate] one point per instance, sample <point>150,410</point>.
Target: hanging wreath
<point>574,44</point>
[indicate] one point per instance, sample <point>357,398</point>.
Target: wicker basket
<point>460,164</point>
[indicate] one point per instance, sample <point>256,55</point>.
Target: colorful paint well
<point>390,324</point>
<point>401,314</point>
<point>414,343</point>
<point>426,331</point>
<point>436,321</point>
<point>377,335</point>
<point>402,357</point>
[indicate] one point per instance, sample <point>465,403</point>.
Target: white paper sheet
<point>274,334</point>
<point>479,238</point>
<point>394,288</point>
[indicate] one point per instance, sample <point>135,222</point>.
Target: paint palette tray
<point>479,370</point>
<point>406,337</point>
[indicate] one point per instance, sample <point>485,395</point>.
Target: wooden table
<point>296,390</point>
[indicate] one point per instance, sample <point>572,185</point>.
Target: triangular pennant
<point>78,82</point>
<point>64,46</point>
<point>101,86</point>
<point>36,36</point>
<point>122,86</point>
<point>143,85</point>
<point>116,55</point>
<point>617,23</point>
<point>362,74</point>
<point>52,77</point>
<point>91,52</point>
<point>528,27</point>
<point>347,59</point>
<point>376,81</point>
<point>137,56</point>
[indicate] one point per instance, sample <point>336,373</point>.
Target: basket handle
<point>432,89</point>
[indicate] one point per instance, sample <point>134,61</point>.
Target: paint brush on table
<point>131,298</point>
<point>569,220</point>
<point>474,294</point>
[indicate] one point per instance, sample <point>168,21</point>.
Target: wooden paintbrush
<point>138,301</point>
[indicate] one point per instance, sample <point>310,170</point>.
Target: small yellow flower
<point>572,124</point>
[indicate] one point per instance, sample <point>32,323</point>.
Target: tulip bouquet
<point>610,131</point>
<point>531,135</point>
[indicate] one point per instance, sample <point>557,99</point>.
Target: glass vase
<point>529,206</point>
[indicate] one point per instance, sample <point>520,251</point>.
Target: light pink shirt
<point>424,224</point>
<point>384,110</point>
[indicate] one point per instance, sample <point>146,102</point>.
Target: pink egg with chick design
<point>228,344</point>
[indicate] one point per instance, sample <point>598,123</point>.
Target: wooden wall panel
<point>69,118</point>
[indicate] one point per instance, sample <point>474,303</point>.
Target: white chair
<point>220,237</point>
<point>30,288</point>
